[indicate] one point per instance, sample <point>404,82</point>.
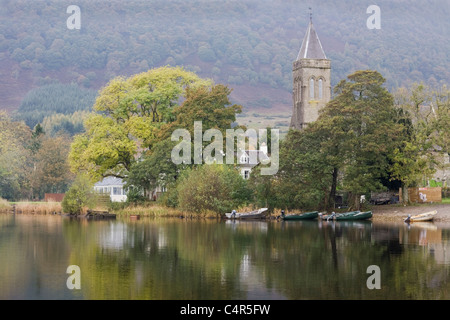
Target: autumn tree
<point>211,106</point>
<point>14,153</point>
<point>425,116</point>
<point>130,112</point>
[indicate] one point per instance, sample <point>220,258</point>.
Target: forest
<point>249,45</point>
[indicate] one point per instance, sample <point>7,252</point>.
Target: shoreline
<point>381,213</point>
<point>397,212</point>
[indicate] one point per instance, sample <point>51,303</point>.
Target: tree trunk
<point>405,195</point>
<point>357,201</point>
<point>332,198</point>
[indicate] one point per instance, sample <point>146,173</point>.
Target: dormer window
<point>244,158</point>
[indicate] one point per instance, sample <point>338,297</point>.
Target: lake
<point>180,259</point>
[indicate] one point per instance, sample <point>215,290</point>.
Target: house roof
<point>110,181</point>
<point>311,46</point>
<point>255,157</point>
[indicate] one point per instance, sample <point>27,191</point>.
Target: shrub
<point>216,188</point>
<point>78,196</point>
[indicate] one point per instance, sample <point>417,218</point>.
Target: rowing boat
<point>427,216</point>
<point>334,215</point>
<point>357,216</point>
<point>301,216</point>
<point>256,214</point>
<point>352,215</point>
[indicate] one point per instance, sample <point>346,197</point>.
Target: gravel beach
<point>399,212</point>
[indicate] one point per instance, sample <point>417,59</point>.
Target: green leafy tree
<point>425,117</point>
<point>216,188</point>
<point>131,112</point>
<point>358,133</point>
<point>78,196</point>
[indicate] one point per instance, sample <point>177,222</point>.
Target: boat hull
<point>333,217</point>
<point>357,216</point>
<point>427,216</point>
<point>257,214</point>
<point>349,216</point>
<point>303,216</point>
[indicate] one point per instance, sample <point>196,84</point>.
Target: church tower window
<point>320,89</point>
<point>311,89</point>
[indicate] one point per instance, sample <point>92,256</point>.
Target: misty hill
<point>248,44</point>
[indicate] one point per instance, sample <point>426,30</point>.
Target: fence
<point>423,195</point>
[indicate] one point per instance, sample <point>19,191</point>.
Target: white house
<point>248,159</point>
<point>112,186</point>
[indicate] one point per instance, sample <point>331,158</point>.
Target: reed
<point>50,207</point>
<point>155,210</point>
<point>4,205</point>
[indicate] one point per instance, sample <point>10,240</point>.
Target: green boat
<point>301,216</point>
<point>352,215</point>
<point>334,215</point>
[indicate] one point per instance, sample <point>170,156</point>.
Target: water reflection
<point>183,259</point>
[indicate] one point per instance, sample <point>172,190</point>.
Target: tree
<point>211,106</point>
<point>130,113</point>
<point>359,133</point>
<point>216,188</point>
<point>347,147</point>
<point>52,173</point>
<point>306,172</point>
<point>14,158</point>
<point>424,115</point>
<point>78,196</point>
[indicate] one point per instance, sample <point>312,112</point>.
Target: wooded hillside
<point>247,44</point>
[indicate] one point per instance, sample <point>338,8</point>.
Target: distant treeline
<point>57,106</point>
<point>235,42</point>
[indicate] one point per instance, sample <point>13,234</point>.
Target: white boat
<point>427,216</point>
<point>256,214</point>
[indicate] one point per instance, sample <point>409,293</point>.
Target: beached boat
<point>427,216</point>
<point>357,216</point>
<point>351,215</point>
<point>333,215</point>
<point>256,214</point>
<point>301,216</point>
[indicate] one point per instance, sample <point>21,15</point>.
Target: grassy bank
<point>4,205</point>
<point>155,210</point>
<point>25,207</point>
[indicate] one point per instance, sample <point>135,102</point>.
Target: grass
<point>26,207</point>
<point>155,210</point>
<point>446,200</point>
<point>4,205</point>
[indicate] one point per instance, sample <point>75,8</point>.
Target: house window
<point>246,174</point>
<point>311,88</point>
<point>320,89</point>
<point>244,159</point>
<point>117,191</point>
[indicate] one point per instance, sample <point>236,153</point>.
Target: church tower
<point>311,75</point>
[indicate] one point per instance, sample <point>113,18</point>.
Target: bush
<point>78,196</point>
<point>213,188</point>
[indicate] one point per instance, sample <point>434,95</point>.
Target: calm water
<point>183,259</point>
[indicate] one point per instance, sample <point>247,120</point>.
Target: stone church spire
<point>311,80</point>
<point>311,46</point>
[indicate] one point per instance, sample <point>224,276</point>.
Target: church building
<point>311,80</point>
